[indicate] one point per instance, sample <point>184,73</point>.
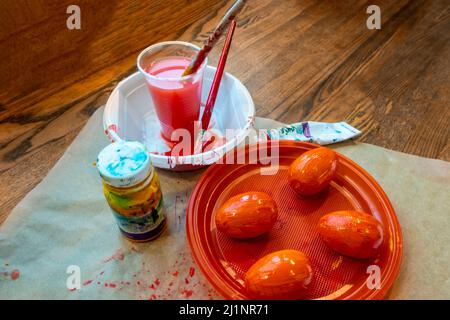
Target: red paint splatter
<point>186,280</point>
<point>187,293</point>
<point>138,283</point>
<point>175,274</point>
<point>98,282</point>
<point>102,273</point>
<point>119,255</point>
<point>72,290</point>
<point>191,272</point>
<point>157,282</point>
<point>87,282</point>
<point>152,297</point>
<point>152,287</point>
<point>15,274</point>
<point>112,285</point>
<point>134,249</point>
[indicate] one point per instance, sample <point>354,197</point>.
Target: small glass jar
<point>132,189</point>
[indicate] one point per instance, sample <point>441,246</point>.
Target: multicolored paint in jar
<point>132,190</point>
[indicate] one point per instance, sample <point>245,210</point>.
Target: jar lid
<point>124,163</point>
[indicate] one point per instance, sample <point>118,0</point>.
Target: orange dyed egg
<point>351,233</point>
<point>283,274</point>
<point>247,215</point>
<point>313,171</point>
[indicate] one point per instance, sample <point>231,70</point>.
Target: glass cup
<point>177,99</point>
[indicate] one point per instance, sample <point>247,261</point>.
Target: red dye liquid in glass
<point>177,102</point>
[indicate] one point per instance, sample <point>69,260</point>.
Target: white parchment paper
<point>65,224</point>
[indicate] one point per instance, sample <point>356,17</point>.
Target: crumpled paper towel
<point>65,225</point>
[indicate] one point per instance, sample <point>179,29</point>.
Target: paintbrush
<point>200,142</point>
<point>214,37</point>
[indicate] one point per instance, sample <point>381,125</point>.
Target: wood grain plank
<point>301,60</point>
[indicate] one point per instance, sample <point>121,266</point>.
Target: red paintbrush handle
<point>217,78</point>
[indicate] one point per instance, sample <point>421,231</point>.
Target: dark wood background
<point>300,59</point>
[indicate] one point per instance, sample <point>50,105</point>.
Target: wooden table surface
<point>300,60</point>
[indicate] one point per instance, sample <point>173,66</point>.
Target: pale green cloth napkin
<point>65,222</point>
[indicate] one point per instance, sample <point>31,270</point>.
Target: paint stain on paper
<point>119,255</point>
<point>178,281</point>
<point>187,293</point>
<point>13,275</point>
<point>87,282</point>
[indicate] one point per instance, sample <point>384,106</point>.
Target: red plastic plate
<point>224,261</point>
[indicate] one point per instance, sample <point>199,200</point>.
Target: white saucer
<point>130,113</point>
